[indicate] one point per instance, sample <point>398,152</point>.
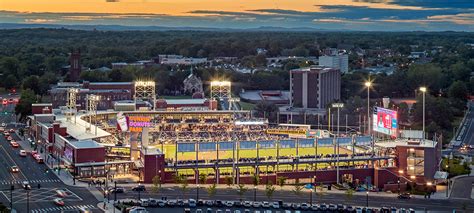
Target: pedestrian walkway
<point>63,208</point>
<point>6,182</point>
<point>108,208</point>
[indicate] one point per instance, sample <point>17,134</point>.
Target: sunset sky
<point>394,15</point>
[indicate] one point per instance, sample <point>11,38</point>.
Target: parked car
<point>161,203</point>
<point>265,204</point>
<point>275,205</point>
<point>171,203</point>
<point>192,203</point>
<point>247,204</point>
<point>305,206</point>
<point>295,205</point>
<point>152,202</point>
<point>256,204</point>
<point>323,207</point>
<point>228,203</point>
<point>209,203</point>
<point>315,207</point>
<point>144,202</point>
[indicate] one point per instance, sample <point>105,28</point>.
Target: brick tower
<point>75,68</point>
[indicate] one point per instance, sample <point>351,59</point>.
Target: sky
<point>364,15</point>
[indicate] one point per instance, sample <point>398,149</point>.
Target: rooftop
<point>85,144</point>
<point>185,101</point>
<point>407,143</point>
<point>76,128</point>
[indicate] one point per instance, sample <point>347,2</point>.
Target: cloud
<point>460,4</point>
<point>334,17</point>
<point>39,21</point>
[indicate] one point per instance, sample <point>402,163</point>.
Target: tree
<point>269,190</point>
<point>241,189</point>
<point>183,181</point>
<point>320,191</point>
<point>461,71</point>
<point>298,188</point>
<point>10,82</point>
<point>281,181</point>
<point>255,179</point>
<point>156,183</point>
<point>202,178</point>
<point>32,82</point>
<point>211,190</point>
<point>228,180</point>
<point>349,194</point>
<point>23,108</point>
<point>458,90</point>
<point>267,110</point>
<point>429,75</point>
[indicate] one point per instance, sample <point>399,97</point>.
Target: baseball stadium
<point>207,145</point>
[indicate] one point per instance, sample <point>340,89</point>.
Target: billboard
<point>137,123</point>
<point>385,121</point>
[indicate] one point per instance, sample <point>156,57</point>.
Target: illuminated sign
<point>122,122</point>
<point>136,123</point>
<point>287,131</point>
<point>385,121</point>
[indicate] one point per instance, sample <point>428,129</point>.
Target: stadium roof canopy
<point>78,131</point>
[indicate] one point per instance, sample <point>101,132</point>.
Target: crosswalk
<point>7,182</point>
<point>63,208</point>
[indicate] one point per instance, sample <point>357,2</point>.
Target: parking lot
<point>208,206</point>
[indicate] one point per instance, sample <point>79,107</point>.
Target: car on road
<point>33,153</point>
<point>139,188</point>
<point>14,169</point>
<point>9,138</point>
<point>116,190</point>
<point>26,185</point>
<point>61,193</point>
<point>6,133</point>
<point>4,124</point>
<point>22,153</point>
<point>14,144</point>
<point>404,196</point>
<point>11,130</point>
<point>4,101</point>
<point>58,201</point>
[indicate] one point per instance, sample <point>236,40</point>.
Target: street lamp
<point>367,199</point>
<point>423,90</point>
<point>255,193</point>
<point>197,193</point>
<point>368,84</point>
<point>338,106</point>
<point>311,196</point>
<point>400,172</point>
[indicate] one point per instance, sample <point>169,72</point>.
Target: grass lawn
<point>246,105</point>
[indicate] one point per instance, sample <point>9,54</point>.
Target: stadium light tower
<point>71,103</point>
<point>145,90</point>
<point>221,89</point>
<point>368,84</point>
<point>423,90</point>
<point>92,102</point>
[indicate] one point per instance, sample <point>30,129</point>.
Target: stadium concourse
<point>213,146</point>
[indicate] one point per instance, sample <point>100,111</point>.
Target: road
<point>469,137</point>
<point>288,196</point>
<point>38,175</point>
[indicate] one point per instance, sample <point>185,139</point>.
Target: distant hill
<point>151,28</point>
